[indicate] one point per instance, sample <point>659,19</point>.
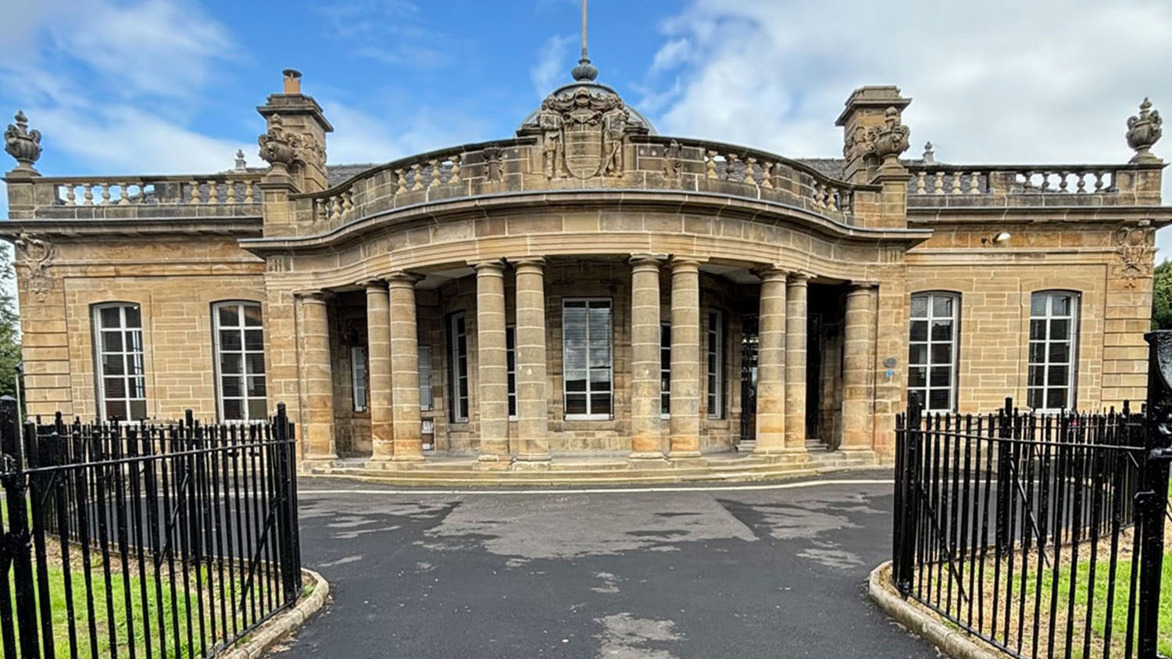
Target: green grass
<point>125,618</point>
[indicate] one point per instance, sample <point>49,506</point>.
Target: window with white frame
<point>511,367</point>
<point>358,377</point>
<point>426,403</point>
<point>240,361</point>
<point>665,370</point>
<point>457,331</point>
<point>586,352</point>
<point>1053,350</point>
<point>121,371</point>
<point>932,349</point>
<point>715,364</point>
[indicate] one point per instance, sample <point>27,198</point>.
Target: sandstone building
<point>587,287</point>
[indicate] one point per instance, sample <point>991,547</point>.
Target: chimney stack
<point>292,81</point>
<point>296,121</point>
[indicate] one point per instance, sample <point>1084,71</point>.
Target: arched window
<point>933,349</point>
<point>240,361</point>
<point>1053,350</point>
<point>120,370</point>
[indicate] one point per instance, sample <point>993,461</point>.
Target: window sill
<point>588,417</point>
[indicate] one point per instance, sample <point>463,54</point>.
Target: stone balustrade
<point>162,190</point>
<point>1016,185</point>
<point>653,163</point>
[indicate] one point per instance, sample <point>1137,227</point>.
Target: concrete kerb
<point>948,640</point>
<point>264,637</point>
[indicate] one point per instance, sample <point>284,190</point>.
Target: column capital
<point>860,287</point>
<point>529,263</point>
<point>488,267</point>
<point>402,279</point>
<point>312,296</point>
<point>373,283</point>
<point>685,264</point>
<point>799,277</point>
<point>647,260</point>
<point>771,273</point>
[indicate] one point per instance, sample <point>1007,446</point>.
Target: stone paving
<point>776,570</point>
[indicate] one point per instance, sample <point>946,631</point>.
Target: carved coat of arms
<point>583,134</point>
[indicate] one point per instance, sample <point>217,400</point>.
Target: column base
<point>686,459</point>
<point>531,462</point>
<point>649,460</point>
<point>782,455</point>
<point>318,464</point>
<point>492,462</point>
<point>860,455</point>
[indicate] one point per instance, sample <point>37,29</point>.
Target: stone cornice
<point>708,203</point>
<point>1158,216</point>
<point>233,227</point>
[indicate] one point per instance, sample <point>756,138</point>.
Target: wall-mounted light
<point>999,238</point>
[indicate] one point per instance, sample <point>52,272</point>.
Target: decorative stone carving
<point>891,139</point>
<point>493,163</point>
<point>860,143</point>
<point>279,147</point>
<point>1143,131</point>
<point>1133,245</point>
<point>584,133</point>
<point>672,161</point>
<point>23,144</point>
<point>36,256</point>
<point>241,163</point>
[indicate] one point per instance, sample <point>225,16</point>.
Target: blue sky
<point>161,86</point>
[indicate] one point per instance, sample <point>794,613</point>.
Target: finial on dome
<point>585,71</point>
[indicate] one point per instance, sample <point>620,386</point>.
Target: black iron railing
<point>144,540</point>
<point>1039,534</point>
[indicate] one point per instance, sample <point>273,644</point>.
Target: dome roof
<point>584,75</point>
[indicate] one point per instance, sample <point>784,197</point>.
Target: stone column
<point>771,355</point>
<point>532,399</point>
<point>858,338</point>
<point>405,368</point>
<point>685,359</point>
<point>795,361</point>
<point>492,363</point>
<point>646,442</point>
<point>378,355</point>
<point>317,387</point>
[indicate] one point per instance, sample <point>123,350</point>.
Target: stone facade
<point>707,298</point>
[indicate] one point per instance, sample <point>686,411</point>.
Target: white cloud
<point>1050,81</point>
<point>551,64</point>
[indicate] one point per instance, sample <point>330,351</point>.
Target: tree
<point>1162,296</point>
<point>9,325</point>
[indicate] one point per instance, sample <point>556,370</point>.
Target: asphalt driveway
<point>760,571</point>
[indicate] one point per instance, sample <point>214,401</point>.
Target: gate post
<point>1004,459</point>
<point>287,501</point>
<point>907,509</point>
<point>16,545</point>
<point>1152,498</point>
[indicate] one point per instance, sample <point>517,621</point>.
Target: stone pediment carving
<point>36,256</point>
<point>583,132</point>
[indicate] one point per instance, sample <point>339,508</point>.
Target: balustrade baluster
<point>938,187</point>
<point>921,181</point>
<point>231,194</point>
<point>105,194</point>
<point>454,179</point>
<point>1063,181</point>
<point>1100,181</point>
<point>767,175</point>
<point>401,182</point>
<point>710,165</point>
<point>730,167</point>
<point>975,183</point>
<point>435,173</point>
<point>70,195</point>
<point>417,175</point>
<point>1046,181</point>
<point>750,171</point>
<point>123,194</point>
<point>1082,183</point>
<point>956,176</point>
<point>831,196</point>
<point>194,197</point>
<point>347,203</point>
<point>87,194</point>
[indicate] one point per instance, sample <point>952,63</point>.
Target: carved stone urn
<point>23,144</point>
<point>891,139</point>
<point>1143,131</point>
<point>278,147</point>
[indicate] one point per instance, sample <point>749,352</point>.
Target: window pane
<point>917,377</point>
<point>230,340</point>
<point>941,376</point>
<point>1037,373</point>
<point>1037,352</point>
<point>1059,353</point>
<point>133,317</point>
<point>233,409</point>
<point>115,387</point>
<point>137,410</point>
<point>1056,398</point>
<point>1038,304</point>
<point>113,365</point>
<point>254,340</point>
<point>257,409</point>
<point>600,404</point>
<point>941,330</point>
<point>576,382</point>
<point>1037,330</point>
<point>252,315</point>
<point>942,353</point>
<point>1059,376</point>
<point>256,387</point>
<point>938,399</point>
<point>942,306</point>
<point>230,386</point>
<point>116,409</point>
<point>917,353</point>
<point>255,363</point>
<point>919,330</point>
<point>575,403</point>
<point>230,363</point>
<point>919,306</point>
<point>1060,329</point>
<point>111,342</point>
<point>1060,305</point>
<point>229,315</point>
<point>111,317</point>
<point>1034,398</point>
